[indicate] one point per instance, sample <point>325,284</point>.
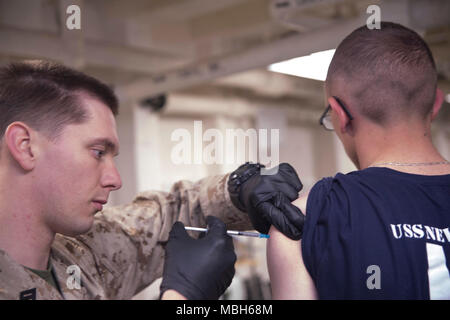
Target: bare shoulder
<point>301,201</point>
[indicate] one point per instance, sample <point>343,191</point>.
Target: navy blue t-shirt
<point>379,234</point>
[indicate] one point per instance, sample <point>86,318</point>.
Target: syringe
<point>233,232</point>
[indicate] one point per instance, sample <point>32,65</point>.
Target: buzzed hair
<point>47,96</point>
<point>386,74</point>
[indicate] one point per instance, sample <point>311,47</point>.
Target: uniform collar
<point>16,280</point>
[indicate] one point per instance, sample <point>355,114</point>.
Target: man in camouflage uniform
<point>124,251</point>
<point>57,149</point>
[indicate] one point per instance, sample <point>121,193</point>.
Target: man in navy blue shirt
<point>381,232</point>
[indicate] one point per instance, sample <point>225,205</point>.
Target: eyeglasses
<point>325,119</point>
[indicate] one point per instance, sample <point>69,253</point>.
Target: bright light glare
<point>447,98</point>
<point>314,66</point>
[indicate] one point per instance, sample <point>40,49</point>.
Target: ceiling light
<point>313,66</point>
<point>447,97</point>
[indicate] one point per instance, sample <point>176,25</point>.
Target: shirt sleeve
<point>315,236</point>
<point>328,238</point>
<point>128,241</point>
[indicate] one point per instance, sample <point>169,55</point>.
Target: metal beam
<point>180,104</point>
<point>272,84</point>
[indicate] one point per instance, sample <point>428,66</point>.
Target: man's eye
<point>98,153</point>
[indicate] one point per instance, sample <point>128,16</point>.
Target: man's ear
<point>18,139</point>
<point>438,100</point>
<point>344,120</point>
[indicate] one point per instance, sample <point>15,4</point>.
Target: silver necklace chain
<point>409,164</point>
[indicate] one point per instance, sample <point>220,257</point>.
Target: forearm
<point>215,200</point>
<point>191,202</point>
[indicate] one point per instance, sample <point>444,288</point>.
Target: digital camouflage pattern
<point>124,250</point>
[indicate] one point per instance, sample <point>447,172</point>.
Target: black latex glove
<point>267,198</point>
<point>286,217</point>
<point>199,269</point>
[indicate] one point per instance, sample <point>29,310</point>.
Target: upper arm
<point>300,203</point>
<point>288,275</point>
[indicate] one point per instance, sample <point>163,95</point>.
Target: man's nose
<point>111,178</point>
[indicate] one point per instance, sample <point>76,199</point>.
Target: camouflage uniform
<point>124,251</point>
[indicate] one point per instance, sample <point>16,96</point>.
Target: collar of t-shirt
<point>48,275</point>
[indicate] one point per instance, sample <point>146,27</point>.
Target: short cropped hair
<point>46,96</point>
<point>387,74</point>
